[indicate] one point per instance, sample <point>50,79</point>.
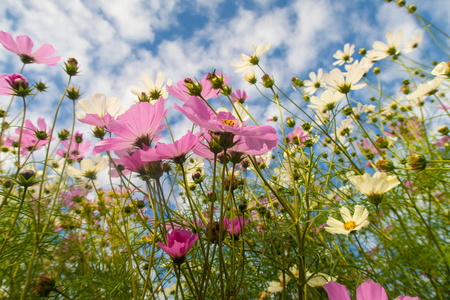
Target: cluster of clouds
<point>117,41</point>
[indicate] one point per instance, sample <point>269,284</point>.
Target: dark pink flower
<point>136,128</point>
<point>196,110</point>
<point>12,84</point>
<point>23,46</point>
<point>179,242</point>
<point>368,290</point>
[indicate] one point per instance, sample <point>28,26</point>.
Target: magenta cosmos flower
<point>136,128</point>
<point>368,290</point>
<point>23,46</point>
<point>196,110</point>
<point>179,242</point>
<point>235,226</point>
<point>11,84</point>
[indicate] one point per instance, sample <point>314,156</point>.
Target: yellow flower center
<point>349,225</point>
<point>228,122</point>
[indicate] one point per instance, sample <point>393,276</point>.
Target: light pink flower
<point>196,110</point>
<point>298,136</point>
<point>23,46</point>
<point>368,290</point>
<point>77,149</point>
<point>136,128</point>
<point>30,133</point>
<point>236,226</point>
<point>239,96</point>
<point>179,242</point>
<point>177,151</point>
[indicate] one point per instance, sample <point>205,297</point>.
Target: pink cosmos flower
<point>177,151</point>
<point>136,128</point>
<point>298,136</point>
<point>33,138</point>
<point>368,290</point>
<point>239,96</point>
<point>151,167</point>
<point>235,154</point>
<point>196,110</point>
<point>77,148</point>
<point>23,46</point>
<point>236,226</point>
<point>179,242</point>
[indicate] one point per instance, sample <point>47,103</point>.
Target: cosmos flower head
<point>179,242</point>
<point>23,47</point>
<point>368,290</point>
<point>248,61</point>
<point>135,128</point>
<point>196,110</point>
<point>351,223</point>
<point>153,90</point>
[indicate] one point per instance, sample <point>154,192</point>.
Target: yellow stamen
<point>228,122</point>
<point>349,225</point>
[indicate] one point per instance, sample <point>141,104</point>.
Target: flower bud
<point>40,86</point>
<point>78,137</point>
<point>73,93</point>
<point>417,162</point>
<point>194,88</point>
<point>297,82</point>
<point>45,284</point>
<point>99,132</point>
<point>71,67</point>
<point>18,84</point>
<point>64,134</point>
<point>385,165</point>
<point>382,142</point>
<point>268,81</point>
<point>401,3</point>
<point>306,126</point>
<point>443,130</point>
<point>362,51</point>
<point>306,97</point>
<point>376,71</point>
<point>290,122</point>
<point>27,178</point>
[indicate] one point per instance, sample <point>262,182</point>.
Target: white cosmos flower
<point>342,84</point>
<point>351,223</point>
<point>413,42</point>
<point>278,286</point>
<point>344,56</point>
<point>247,61</point>
<point>382,50</point>
<point>327,100</point>
<point>316,82</point>
<point>426,89</point>
<point>318,279</point>
<point>89,167</point>
<point>377,185</point>
<point>153,90</point>
<point>441,69</point>
<point>99,106</point>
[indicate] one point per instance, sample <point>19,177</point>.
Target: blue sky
<point>116,41</point>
